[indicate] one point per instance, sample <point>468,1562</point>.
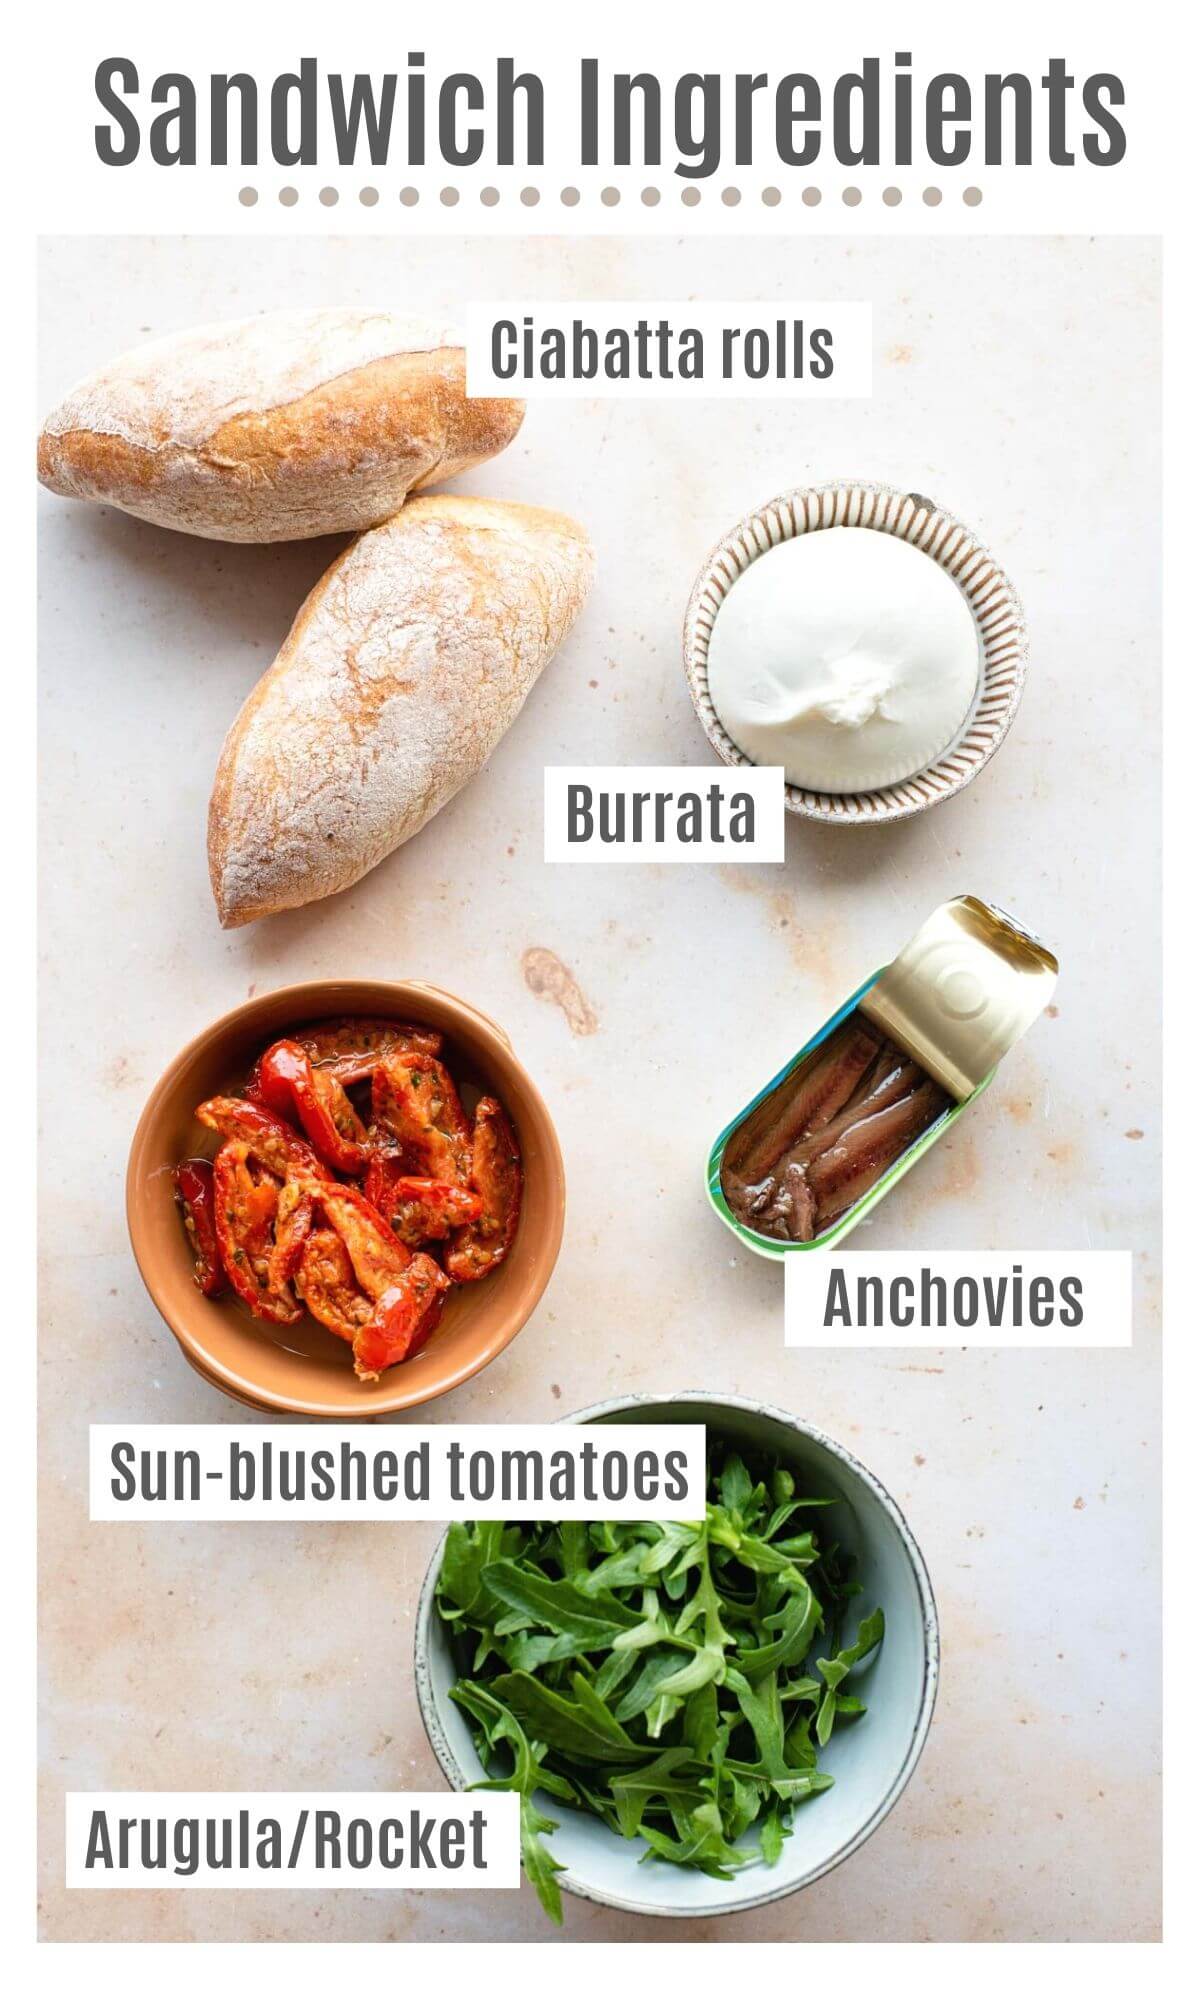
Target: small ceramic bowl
<point>305,1369</point>
<point>994,604</point>
<point>871,1762</point>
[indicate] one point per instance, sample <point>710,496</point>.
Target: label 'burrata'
<point>846,655</point>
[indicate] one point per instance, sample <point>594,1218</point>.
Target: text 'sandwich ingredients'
<point>677,1680</point>
<point>350,1181</point>
<point>403,669</point>
<point>277,428</point>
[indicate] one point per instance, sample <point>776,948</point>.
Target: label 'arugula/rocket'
<point>676,1680</point>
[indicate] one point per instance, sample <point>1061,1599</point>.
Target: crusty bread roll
<point>277,428</point>
<point>405,666</point>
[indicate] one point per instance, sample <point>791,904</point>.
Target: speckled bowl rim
<point>310,1000</point>
<point>914,518</point>
<point>617,1406</point>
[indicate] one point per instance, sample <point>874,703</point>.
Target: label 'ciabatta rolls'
<point>405,665</point>
<point>274,429</point>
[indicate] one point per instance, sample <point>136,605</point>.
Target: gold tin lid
<point>962,991</point>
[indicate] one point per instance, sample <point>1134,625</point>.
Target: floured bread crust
<point>405,665</point>
<point>294,424</point>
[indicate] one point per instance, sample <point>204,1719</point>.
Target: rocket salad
<point>678,1680</point>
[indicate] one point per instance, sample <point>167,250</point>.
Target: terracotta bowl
<point>305,1369</point>
<point>994,605</point>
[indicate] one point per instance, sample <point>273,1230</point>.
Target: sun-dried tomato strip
<point>414,1100</point>
<point>496,1177</point>
<point>403,1319</point>
<point>194,1193</point>
<point>293,1226</point>
<point>419,1211</point>
<point>327,1284</point>
<point>265,1136</point>
<point>246,1200</point>
<point>351,1050</point>
<point>285,1082</point>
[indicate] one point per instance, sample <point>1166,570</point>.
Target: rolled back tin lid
<point>962,991</point>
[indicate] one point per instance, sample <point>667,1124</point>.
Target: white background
<point>1157,56</point>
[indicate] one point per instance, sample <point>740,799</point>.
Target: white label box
<point>663,812</point>
<point>293,1840</point>
<point>669,348</point>
<point>396,1472</point>
<point>993,1298</point>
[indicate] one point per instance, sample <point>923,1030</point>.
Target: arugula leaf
<point>497,1725</point>
<point>771,1836</point>
<point>677,1547</point>
<point>672,1779</point>
<point>622,1567</point>
<point>793,1629</point>
<point>614,1672</point>
<point>870,1634</point>
<point>573,1546</point>
<point>734,1484</point>
<point>654,1629</point>
<point>702,1726</point>
<point>833,1672</point>
<point>752,1551</point>
<point>658,1666</point>
<point>536,1859</point>
<point>462,1596</point>
<point>469,1549</point>
<point>592,1622</point>
<point>584,1729</point>
<point>701,1844</point>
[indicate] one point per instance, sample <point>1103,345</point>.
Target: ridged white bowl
<point>994,604</point>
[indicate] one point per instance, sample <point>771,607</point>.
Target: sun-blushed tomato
<point>246,1200</point>
<point>194,1192</point>
<point>420,1211</point>
<point>496,1177</point>
<point>413,1098</point>
<point>275,1144</point>
<point>403,1319</point>
<point>326,1282</point>
<point>285,1082</point>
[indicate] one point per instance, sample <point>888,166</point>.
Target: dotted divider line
<point>569,197</point>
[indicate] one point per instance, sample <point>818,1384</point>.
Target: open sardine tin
<point>955,1000</point>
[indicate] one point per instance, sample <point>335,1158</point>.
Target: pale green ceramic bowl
<point>871,1761</point>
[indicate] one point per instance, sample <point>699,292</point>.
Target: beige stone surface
<point>1016,382</point>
